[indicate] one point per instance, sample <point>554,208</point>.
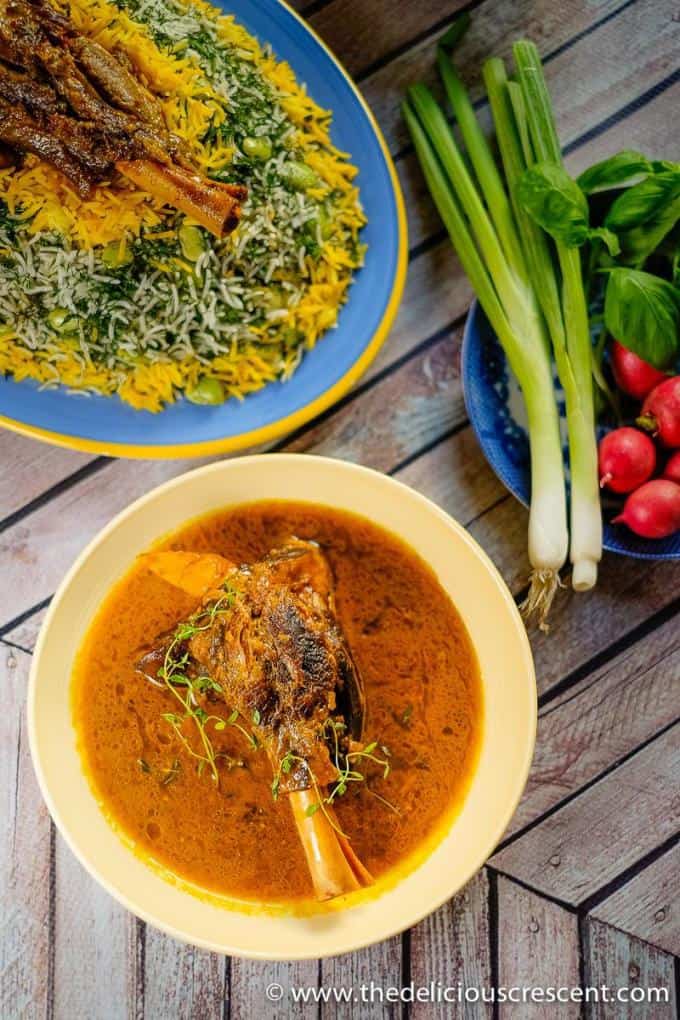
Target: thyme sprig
<point>285,766</point>
<point>189,689</point>
<point>345,763</point>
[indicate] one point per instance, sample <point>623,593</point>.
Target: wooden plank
<point>456,476</point>
<point>181,981</point>
<point>30,468</point>
<point>25,855</point>
<point>606,716</point>
<point>417,402</point>
<point>67,523</point>
<point>436,294</point>
<point>25,634</point>
<point>250,980</point>
<point>95,961</point>
<point>628,593</point>
<point>617,961</point>
<point>577,75</point>
<point>610,827</point>
<point>452,946</point>
<point>362,34</point>
<point>648,907</point>
<point>538,948</point>
<point>379,964</point>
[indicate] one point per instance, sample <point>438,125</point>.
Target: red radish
<point>627,458</point>
<point>653,510</point>
<point>661,412</point>
<point>672,469</point>
<point>634,376</point>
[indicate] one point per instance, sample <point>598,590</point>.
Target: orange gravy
<point>424,703</point>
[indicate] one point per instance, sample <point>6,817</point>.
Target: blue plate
<point>106,425</point>
<point>496,410</point>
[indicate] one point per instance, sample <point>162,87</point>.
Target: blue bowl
<point>496,411</point>
<point>107,425</point>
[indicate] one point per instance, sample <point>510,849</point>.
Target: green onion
<point>490,254</point>
<point>571,343</point>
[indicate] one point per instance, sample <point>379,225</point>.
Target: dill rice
<point>100,295</point>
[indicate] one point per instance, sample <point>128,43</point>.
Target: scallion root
<point>542,590</point>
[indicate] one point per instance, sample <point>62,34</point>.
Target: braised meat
<point>276,650</point>
<point>79,107</point>
<point>271,647</point>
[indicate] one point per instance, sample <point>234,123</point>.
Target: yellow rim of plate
<point>267,433</point>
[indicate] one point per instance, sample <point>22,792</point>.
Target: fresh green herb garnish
<point>345,763</point>
<point>188,689</point>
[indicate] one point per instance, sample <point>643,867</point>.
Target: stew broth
<point>423,694</point>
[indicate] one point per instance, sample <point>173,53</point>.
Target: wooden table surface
<point>585,886</point>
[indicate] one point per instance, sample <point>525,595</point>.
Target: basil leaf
<point>660,166</point>
<point>645,214</point>
<point>643,313</point>
<point>555,202</point>
<point>644,201</point>
<point>608,237</point>
<point>614,172</point>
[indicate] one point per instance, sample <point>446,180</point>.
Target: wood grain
<point>25,857</point>
<point>576,76</point>
<point>181,981</point>
<point>538,947</point>
<point>418,401</point>
<point>618,961</point>
<point>648,907</point>
<point>453,947</point>
<point>368,33</point>
<point>250,978</point>
<point>456,476</point>
<point>67,523</point>
<point>95,965</point>
<point>380,964</point>
<point>597,722</point>
<point>610,827</point>
<point>25,634</point>
<point>29,469</point>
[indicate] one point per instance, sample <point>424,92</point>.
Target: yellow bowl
<point>494,626</point>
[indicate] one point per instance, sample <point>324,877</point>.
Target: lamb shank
<point>276,653</point>
<point>68,100</point>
